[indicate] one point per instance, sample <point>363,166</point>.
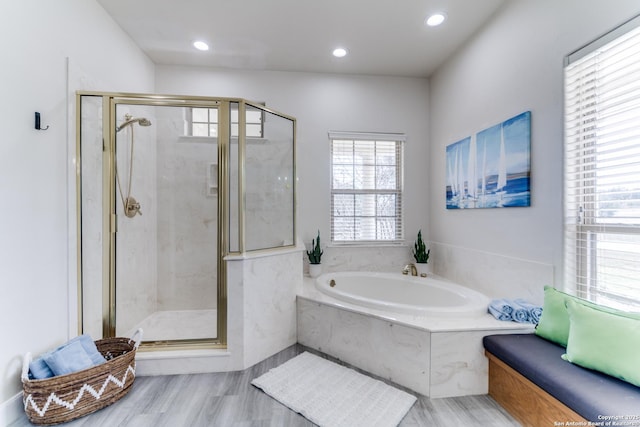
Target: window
<point>366,187</point>
<point>204,122</point>
<point>602,169</point>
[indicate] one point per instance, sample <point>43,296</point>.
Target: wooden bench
<point>530,380</point>
<point>524,400</point>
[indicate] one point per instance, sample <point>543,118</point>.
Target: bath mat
<point>331,395</point>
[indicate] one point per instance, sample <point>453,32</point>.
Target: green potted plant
<point>421,255</point>
<point>315,255</point>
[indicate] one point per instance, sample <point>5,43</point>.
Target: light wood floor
<point>228,399</point>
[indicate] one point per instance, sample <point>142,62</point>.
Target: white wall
<point>37,245</point>
<point>513,65</point>
<point>320,103</point>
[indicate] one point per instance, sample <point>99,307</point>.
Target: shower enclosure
<point>167,188</point>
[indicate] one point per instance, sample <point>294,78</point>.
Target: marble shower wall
<point>137,237</point>
<point>261,318</point>
<point>187,215</point>
<point>270,285</point>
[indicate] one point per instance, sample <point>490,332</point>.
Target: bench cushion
<point>591,394</point>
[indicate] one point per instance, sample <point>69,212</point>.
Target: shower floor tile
<point>179,325</point>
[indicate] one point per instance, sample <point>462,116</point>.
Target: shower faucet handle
<point>131,207</point>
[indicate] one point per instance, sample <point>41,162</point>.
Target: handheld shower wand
<point>131,206</point>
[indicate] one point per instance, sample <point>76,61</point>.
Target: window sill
<point>367,245</point>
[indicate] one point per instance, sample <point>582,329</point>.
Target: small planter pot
<point>315,270</point>
<point>422,269</point>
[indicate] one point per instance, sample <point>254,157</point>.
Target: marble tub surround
<point>392,351</point>
<point>496,276</point>
<point>437,357</point>
<point>381,258</point>
<point>309,292</point>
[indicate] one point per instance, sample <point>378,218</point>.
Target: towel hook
<point>38,127</point>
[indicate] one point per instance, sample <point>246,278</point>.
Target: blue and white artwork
<point>491,169</point>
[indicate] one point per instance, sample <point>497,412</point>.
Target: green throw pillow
<point>604,341</point>
<point>554,322</point>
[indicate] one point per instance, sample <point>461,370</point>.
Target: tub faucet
<point>410,267</point>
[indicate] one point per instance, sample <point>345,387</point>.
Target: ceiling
<point>383,37</point>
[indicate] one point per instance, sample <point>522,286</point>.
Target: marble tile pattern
<point>372,258</point>
<point>395,352</point>
<point>437,357</point>
<point>136,239</point>
<point>261,317</point>
<point>458,364</point>
<point>270,284</point>
<point>187,217</point>
<point>494,275</point>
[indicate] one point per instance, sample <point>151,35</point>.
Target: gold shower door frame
<point>224,249</point>
<point>109,223</point>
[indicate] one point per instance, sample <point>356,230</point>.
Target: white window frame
<point>602,170</point>
<point>254,122</point>
<point>397,192</point>
<point>211,122</point>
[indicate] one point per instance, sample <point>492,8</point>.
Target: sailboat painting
<point>492,168</point>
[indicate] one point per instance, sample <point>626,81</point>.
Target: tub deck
<point>436,357</point>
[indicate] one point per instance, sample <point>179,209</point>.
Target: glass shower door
<point>166,213</point>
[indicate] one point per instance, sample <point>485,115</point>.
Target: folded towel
<point>501,309</point>
<point>65,360</point>
<point>90,348</point>
<point>39,369</point>
<point>535,311</point>
<point>70,358</point>
<point>536,314</point>
<point>517,310</point>
<point>520,314</point>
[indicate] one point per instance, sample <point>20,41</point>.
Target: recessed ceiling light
<point>435,19</point>
<point>200,45</point>
<point>339,52</point>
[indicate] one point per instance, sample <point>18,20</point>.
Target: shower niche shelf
<point>212,179</point>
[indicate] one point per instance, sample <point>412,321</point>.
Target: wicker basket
<point>67,397</point>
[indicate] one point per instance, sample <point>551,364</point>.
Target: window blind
<point>602,169</point>
<point>366,187</point>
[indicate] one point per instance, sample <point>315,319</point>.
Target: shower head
<point>128,120</point>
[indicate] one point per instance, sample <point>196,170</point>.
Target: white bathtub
<point>397,293</point>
